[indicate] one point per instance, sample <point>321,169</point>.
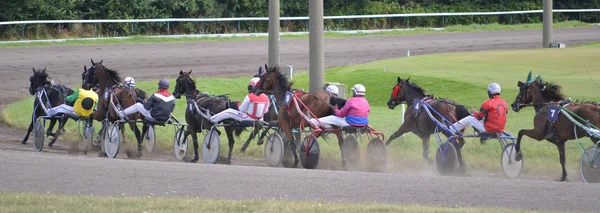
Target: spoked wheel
<point>180,144</point>
<point>511,167</point>
<point>377,154</point>
<point>38,134</point>
<point>211,147</point>
<point>274,150</point>
<point>112,140</point>
<point>87,138</point>
<point>309,152</point>
<point>589,165</point>
<point>150,138</point>
<point>446,159</point>
<point>350,152</point>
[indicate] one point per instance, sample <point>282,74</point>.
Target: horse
<point>108,84</point>
<point>289,117</point>
<point>421,124</point>
<point>185,85</point>
<point>55,93</point>
<point>541,95</point>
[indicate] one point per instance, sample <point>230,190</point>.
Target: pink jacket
<point>356,111</point>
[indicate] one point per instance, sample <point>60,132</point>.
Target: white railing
<point>292,18</point>
<point>240,19</point>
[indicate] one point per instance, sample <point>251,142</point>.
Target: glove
<point>139,100</point>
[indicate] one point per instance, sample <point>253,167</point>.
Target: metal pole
<point>547,37</point>
<point>95,30</point>
<point>23,31</point>
<point>511,19</point>
<point>316,38</point>
<point>131,28</point>
<point>239,27</point>
<point>58,31</point>
<point>168,28</point>
<point>274,32</point>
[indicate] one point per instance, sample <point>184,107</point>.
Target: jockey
<point>158,107</point>
<point>333,92</point>
<point>253,107</point>
<point>356,111</point>
<point>85,103</point>
<point>129,82</point>
<point>491,116</point>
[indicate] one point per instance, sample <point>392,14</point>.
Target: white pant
<point>478,124</point>
<point>233,114</point>
<point>331,120</point>
<point>138,107</point>
<point>63,108</point>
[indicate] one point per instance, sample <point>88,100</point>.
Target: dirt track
<point>242,58</point>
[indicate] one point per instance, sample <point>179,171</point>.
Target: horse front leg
<point>24,141</point>
<point>341,143</point>
<point>252,135</point>
<point>561,151</point>
<point>195,139</point>
<point>51,127</point>
<point>58,131</point>
<point>138,137</point>
<point>231,140</point>
<point>532,133</point>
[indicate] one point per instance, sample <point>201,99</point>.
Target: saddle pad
<point>553,112</point>
<point>190,106</point>
<point>417,103</point>
<point>288,99</point>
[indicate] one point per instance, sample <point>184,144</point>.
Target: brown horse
<point>108,84</point>
<point>185,85</point>
<point>288,117</point>
<point>543,95</point>
<point>420,123</point>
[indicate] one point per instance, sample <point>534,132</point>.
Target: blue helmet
<point>163,83</point>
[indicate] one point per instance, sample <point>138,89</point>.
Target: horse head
<point>37,80</point>
<point>536,91</point>
<point>184,84</point>
<point>404,91</point>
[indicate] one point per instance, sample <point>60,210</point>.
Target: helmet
<point>494,88</point>
<point>129,81</point>
<point>359,89</point>
<point>332,90</point>
<point>254,82</point>
<point>163,83</point>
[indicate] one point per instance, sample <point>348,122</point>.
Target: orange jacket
<point>493,111</point>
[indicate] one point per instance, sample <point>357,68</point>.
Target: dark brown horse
<point>289,117</point>
<point>108,84</point>
<point>56,95</point>
<point>185,85</point>
<point>420,123</point>
<point>542,95</point>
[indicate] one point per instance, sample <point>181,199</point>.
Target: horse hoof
<point>519,156</point>
<point>23,142</point>
<point>139,154</point>
<point>260,142</point>
<point>50,145</point>
<point>102,154</point>
<point>242,150</point>
<point>195,160</point>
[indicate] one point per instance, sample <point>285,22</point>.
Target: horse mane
<point>551,90</point>
<point>113,73</point>
<point>283,81</point>
<point>417,88</point>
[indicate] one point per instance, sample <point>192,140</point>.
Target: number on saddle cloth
<point>288,99</point>
<point>553,113</point>
<point>417,103</point>
<point>190,105</point>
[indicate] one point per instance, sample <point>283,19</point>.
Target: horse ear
<point>33,70</point>
<point>399,79</point>
<point>84,68</point>
<point>44,70</point>
<point>266,66</point>
<point>180,72</point>
<point>92,60</point>
<point>101,61</point>
<point>408,79</point>
<point>190,72</point>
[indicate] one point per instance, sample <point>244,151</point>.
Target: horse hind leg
<point>24,141</point>
<point>229,132</point>
<point>252,135</point>
<point>425,141</point>
<point>404,128</point>
<point>561,151</point>
<point>59,131</point>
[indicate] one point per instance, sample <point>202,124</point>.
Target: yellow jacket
<point>79,95</point>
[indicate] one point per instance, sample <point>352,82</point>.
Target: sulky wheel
<point>274,150</point>
<point>211,147</point>
<point>112,140</point>
<point>376,155</point>
<point>511,167</point>
<point>309,152</point>
<point>150,138</point>
<point>180,144</point>
<point>350,152</point>
<point>446,159</point>
<point>87,138</point>
<point>589,165</point>
<point>38,134</point>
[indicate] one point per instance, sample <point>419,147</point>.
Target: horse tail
<point>238,130</point>
<point>461,111</point>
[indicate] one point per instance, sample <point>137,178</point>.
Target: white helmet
<point>129,81</point>
<point>359,89</point>
<point>332,89</point>
<point>254,81</point>
<point>494,88</point>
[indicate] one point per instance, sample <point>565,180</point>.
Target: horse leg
<point>195,139</point>
<point>461,162</point>
<point>532,133</point>
<point>403,129</point>
<point>287,130</point>
<point>425,141</point>
<point>229,132</point>
<point>138,136</point>
<point>59,131</point>
<point>341,143</point>
<point>254,133</point>
<point>561,151</point>
<point>24,141</point>
<point>51,127</point>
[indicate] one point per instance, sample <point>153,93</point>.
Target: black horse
<point>420,123</point>
<point>185,85</point>
<point>56,96</point>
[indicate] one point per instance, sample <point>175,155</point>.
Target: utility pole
<point>273,32</point>
<point>547,38</point>
<point>316,56</point>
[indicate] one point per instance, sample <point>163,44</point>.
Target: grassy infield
<point>459,76</point>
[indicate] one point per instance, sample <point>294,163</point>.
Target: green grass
<point>453,28</point>
<point>462,77</point>
<point>33,202</point>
